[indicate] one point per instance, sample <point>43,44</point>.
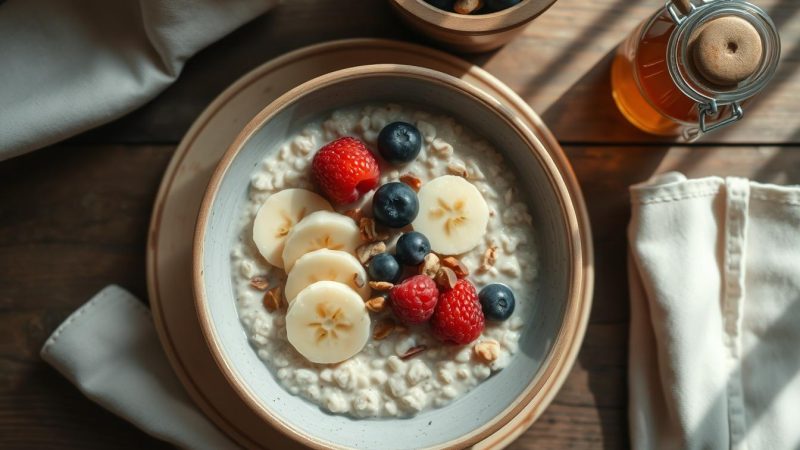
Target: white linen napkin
<point>714,274</point>
<point>67,66</point>
<point>110,350</point>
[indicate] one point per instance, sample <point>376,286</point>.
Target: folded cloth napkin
<point>70,65</point>
<point>109,349</point>
<point>715,314</point>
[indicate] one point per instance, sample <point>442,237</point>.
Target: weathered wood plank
<point>560,65</point>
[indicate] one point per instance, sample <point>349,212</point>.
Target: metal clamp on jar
<point>692,68</point>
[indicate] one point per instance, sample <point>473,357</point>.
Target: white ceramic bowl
<point>554,329</point>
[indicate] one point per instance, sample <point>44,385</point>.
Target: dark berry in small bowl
<point>395,205</point>
<point>412,247</point>
<point>446,5</point>
<point>498,5</point>
<point>384,267</point>
<point>399,142</point>
<point>497,301</point>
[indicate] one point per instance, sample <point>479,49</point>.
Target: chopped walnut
<point>446,278</point>
<point>488,350</point>
<point>413,351</point>
<point>467,6</point>
<point>412,180</point>
<point>489,258</point>
<point>380,285</point>
<point>383,329</point>
<point>430,265</point>
<point>369,232</point>
<point>272,299</point>
<point>367,251</point>
<point>458,267</point>
<point>259,282</point>
<point>376,304</point>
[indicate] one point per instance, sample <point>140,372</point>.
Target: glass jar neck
<point>679,57</point>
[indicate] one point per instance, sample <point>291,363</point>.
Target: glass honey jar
<point>692,68</point>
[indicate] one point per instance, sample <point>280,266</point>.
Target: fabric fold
<point>109,350</point>
<point>69,66</point>
<point>714,265</point>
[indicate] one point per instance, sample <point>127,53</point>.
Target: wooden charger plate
<point>169,249</point>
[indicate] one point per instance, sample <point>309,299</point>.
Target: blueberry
<point>497,301</point>
<point>497,5</point>
<point>383,267</point>
<point>395,205</point>
<point>412,248</point>
<point>399,142</point>
<point>446,5</point>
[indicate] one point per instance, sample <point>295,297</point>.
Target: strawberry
<point>345,169</point>
<point>458,317</point>
<point>414,299</point>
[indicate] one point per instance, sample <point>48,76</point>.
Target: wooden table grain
<point>73,217</point>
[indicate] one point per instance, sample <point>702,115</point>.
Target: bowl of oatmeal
<point>388,258</point>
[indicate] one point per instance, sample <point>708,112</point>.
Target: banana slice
<point>330,265</point>
<point>322,229</point>
<point>327,322</point>
<point>452,214</point>
<point>278,215</point>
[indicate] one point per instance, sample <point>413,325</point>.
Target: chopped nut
<point>366,227</point>
<point>358,280</point>
<point>446,278</point>
<point>467,6</point>
<point>413,351</point>
<point>488,350</point>
<point>272,299</point>
<point>380,285</point>
<point>412,180</point>
<point>430,265</point>
<point>376,304</point>
<point>458,267</point>
<point>354,214</point>
<point>457,169</point>
<point>489,258</point>
<point>383,329</point>
<point>367,251</point>
<point>259,282</point>
<point>369,232</point>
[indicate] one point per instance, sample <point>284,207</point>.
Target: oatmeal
<point>389,367</point>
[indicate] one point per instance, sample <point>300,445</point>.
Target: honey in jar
<point>689,69</point>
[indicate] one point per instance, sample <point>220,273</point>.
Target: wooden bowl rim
<point>559,360</point>
<point>491,23</point>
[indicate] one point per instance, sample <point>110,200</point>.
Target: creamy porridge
<point>402,369</point>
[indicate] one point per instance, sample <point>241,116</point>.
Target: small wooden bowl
<point>469,33</point>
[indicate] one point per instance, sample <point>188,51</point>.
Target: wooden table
<point>73,217</point>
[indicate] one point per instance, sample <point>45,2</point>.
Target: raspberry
<point>414,299</point>
<point>458,317</point>
<point>345,169</point>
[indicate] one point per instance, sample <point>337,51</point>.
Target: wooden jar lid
<point>726,50</point>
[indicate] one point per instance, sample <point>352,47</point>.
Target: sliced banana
<point>330,265</point>
<point>322,229</point>
<point>453,215</point>
<point>327,322</point>
<point>277,217</point>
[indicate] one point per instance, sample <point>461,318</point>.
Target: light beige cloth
<point>109,349</point>
<point>70,65</point>
<point>715,314</point>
